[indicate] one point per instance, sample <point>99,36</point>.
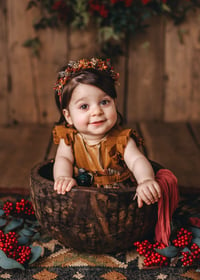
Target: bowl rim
<point>36,176</point>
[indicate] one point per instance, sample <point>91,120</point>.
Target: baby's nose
<point>97,110</point>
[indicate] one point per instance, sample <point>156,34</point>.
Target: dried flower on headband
<point>74,67</point>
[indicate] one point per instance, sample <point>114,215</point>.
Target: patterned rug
<point>58,262</point>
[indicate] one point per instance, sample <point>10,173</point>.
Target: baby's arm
<point>148,189</point>
<point>63,169</point>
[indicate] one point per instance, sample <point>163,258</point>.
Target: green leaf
<point>8,263</point>
<point>196,241</point>
<point>186,249</point>
<point>27,232</point>
<point>13,224</point>
<point>169,252</point>
<point>31,4</point>
<point>166,8</point>
<point>34,44</point>
<point>2,222</point>
<point>82,17</point>
<point>22,240</point>
<point>107,33</point>
<point>2,212</point>
<point>34,223</point>
<point>146,45</point>
<point>36,236</point>
<point>146,15</point>
<point>25,235</point>
<point>28,43</point>
<point>36,253</point>
<point>195,231</point>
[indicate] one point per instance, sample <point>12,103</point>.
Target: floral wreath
<point>74,67</point>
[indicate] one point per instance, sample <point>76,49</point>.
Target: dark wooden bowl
<point>90,219</point>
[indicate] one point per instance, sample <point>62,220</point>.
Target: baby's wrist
<point>63,178</point>
<point>145,181</point>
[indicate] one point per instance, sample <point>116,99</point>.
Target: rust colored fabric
<point>104,160</point>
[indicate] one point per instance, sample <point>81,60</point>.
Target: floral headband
<point>74,67</point>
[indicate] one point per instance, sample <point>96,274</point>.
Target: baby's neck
<point>92,140</point>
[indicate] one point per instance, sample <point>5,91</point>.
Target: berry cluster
<point>22,208</point>
<point>9,245</point>
<point>152,258</point>
<point>8,208</point>
<point>189,258</point>
<point>184,238</point>
<point>25,207</point>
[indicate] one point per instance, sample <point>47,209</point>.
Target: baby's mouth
<point>97,122</point>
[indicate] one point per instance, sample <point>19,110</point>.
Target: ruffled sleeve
<point>138,140</point>
<point>125,134</point>
<point>62,132</point>
<point>116,144</point>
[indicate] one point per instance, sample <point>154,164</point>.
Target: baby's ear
<point>67,116</point>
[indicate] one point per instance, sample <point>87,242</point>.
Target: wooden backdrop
<point>161,80</point>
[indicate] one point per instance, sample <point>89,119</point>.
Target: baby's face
<point>91,111</point>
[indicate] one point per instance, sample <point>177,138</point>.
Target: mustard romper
<point>103,162</point>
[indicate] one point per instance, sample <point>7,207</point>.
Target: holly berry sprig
<point>152,258</point>
<point>9,245</point>
<point>192,257</point>
<point>157,254</point>
<point>22,208</point>
<point>191,251</point>
<point>18,229</point>
<point>184,238</point>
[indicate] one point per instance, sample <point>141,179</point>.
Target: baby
<point>93,149</point>
<point>89,105</point>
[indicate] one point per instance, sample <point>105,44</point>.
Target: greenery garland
<point>115,20</point>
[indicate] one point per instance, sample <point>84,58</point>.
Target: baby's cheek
<point>81,121</point>
<point>78,118</point>
<point>115,115</point>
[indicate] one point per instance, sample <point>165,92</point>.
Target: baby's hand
<point>64,184</point>
<point>149,192</point>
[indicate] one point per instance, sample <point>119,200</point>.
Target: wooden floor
<point>174,145</point>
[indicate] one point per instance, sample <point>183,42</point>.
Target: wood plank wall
<point>162,76</point>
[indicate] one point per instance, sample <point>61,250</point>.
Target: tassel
<point>166,204</point>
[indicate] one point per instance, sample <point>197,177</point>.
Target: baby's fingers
<point>61,185</point>
<point>153,193</point>
<point>70,185</point>
<point>155,190</point>
<point>139,201</point>
<point>145,194</point>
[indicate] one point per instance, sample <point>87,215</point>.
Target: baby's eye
<point>105,101</point>
<point>84,107</point>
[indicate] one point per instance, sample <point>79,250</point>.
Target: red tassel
<point>166,204</point>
